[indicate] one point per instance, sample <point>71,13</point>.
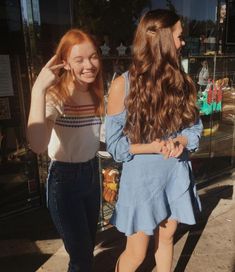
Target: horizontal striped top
<point>75,135</point>
<point>78,116</point>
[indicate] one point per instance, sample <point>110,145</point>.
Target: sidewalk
<point>207,247</point>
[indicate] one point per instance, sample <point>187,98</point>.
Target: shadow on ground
<point>37,226</point>
<point>18,236</point>
<point>209,201</point>
<point>106,259</point>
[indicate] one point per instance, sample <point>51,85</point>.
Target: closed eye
<point>94,56</point>
<point>78,60</point>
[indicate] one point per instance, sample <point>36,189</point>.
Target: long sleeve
<point>118,145</point>
<point>193,135</point>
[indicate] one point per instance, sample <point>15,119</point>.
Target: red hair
<point>60,90</point>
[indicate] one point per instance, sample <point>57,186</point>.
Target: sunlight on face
<point>84,62</point>
<point>177,32</point>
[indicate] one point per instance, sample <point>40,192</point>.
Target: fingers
<point>172,149</point>
<point>165,152</point>
<point>51,61</point>
<point>158,145</point>
<point>57,67</point>
<point>169,149</point>
<point>180,151</point>
<point>52,66</point>
<point>161,147</point>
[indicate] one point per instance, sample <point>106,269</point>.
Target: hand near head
<point>48,75</point>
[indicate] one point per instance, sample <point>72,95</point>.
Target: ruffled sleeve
<point>193,135</point>
<point>118,145</point>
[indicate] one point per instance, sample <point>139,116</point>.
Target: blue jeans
<point>74,203</point>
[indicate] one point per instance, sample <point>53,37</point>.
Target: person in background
<point>221,27</point>
<point>152,124</point>
<point>65,117</point>
<point>203,76</point>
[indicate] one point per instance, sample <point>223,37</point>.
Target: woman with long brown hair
<point>65,117</point>
<point>151,126</point>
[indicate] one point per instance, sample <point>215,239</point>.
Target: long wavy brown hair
<point>60,91</point>
<point>162,97</point>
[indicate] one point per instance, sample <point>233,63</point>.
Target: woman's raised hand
<point>48,75</point>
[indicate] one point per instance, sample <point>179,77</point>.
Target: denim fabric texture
<point>73,191</point>
<point>151,188</point>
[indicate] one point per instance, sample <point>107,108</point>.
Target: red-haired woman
<point>151,126</point>
<point>65,117</point>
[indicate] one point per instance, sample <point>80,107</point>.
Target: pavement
<point>30,243</point>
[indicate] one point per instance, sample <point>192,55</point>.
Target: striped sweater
<point>75,136</point>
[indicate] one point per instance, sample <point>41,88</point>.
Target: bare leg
<point>134,254</point>
<point>164,245</point>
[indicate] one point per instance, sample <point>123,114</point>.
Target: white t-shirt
<point>203,77</point>
<point>76,133</point>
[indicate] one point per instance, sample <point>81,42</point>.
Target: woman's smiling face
<point>84,62</point>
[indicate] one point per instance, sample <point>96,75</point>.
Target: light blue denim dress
<point>151,188</point>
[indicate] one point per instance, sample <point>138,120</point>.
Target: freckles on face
<point>177,32</point>
<point>84,62</point>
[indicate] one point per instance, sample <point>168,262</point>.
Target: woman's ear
<point>67,66</point>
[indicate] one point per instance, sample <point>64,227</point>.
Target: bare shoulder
<point>116,96</point>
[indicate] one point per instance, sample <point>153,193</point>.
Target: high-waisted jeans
<point>73,193</point>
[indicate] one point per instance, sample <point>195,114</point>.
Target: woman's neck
<point>81,87</point>
<point>79,93</point>
<point>77,87</point>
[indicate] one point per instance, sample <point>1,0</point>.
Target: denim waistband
<point>91,166</point>
<point>74,165</point>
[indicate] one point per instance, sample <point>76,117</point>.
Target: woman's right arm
<point>119,144</point>
<point>39,127</point>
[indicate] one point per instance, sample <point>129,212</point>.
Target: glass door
<point>19,183</point>
<point>223,117</point>
<point>201,70</point>
<point>214,77</point>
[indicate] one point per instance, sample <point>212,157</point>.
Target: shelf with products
<point>113,66</point>
<point>218,67</point>
<point>214,77</point>
<point>109,172</point>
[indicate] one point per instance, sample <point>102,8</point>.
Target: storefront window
<point>18,165</point>
<point>113,23</point>
<point>209,58</point>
